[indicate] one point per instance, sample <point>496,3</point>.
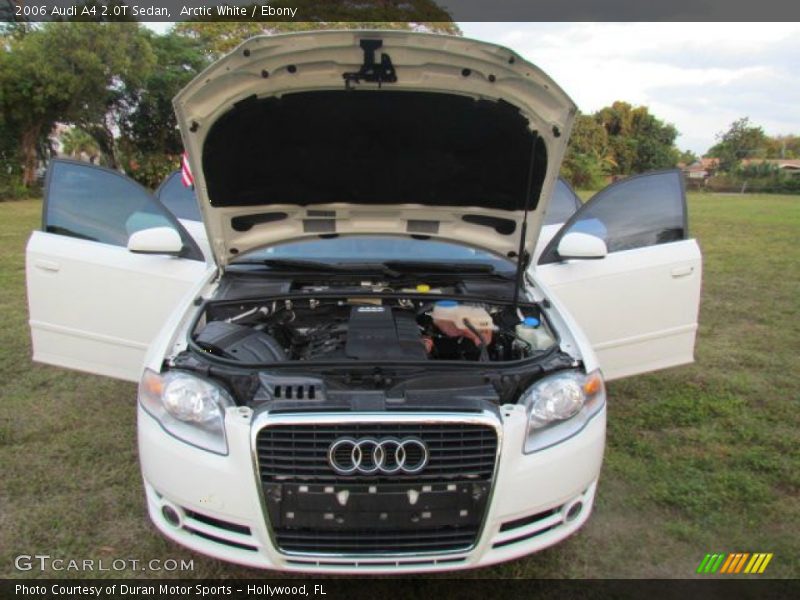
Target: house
<point>790,166</point>
<point>700,170</point>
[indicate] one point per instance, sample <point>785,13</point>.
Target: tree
<point>741,140</point>
<point>10,156</point>
<point>75,142</point>
<point>639,141</point>
<point>783,146</point>
<point>687,157</point>
<point>27,102</point>
<point>654,142</point>
<point>149,135</point>
<point>618,140</point>
<point>590,137</point>
<point>122,59</point>
<point>589,155</point>
<point>10,161</point>
<point>76,74</point>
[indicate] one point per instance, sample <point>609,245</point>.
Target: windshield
<point>380,249</point>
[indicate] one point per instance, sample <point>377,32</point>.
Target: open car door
<point>638,304</point>
<point>93,304</point>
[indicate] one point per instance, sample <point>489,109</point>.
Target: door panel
<point>638,315</point>
<point>638,306</point>
<point>93,305</point>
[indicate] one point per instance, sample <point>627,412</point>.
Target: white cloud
<point>698,76</point>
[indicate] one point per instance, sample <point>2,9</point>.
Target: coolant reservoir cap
<point>447,304</point>
<point>530,322</point>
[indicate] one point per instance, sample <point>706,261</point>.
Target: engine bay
<point>371,329</point>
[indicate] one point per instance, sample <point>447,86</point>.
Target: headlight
<point>190,408</point>
<point>560,405</point>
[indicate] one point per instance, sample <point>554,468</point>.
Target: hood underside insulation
<point>373,148</point>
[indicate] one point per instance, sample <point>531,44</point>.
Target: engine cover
<point>242,343</point>
<point>378,333</point>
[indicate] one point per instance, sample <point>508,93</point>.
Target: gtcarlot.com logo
<point>45,562</point>
<point>735,563</point>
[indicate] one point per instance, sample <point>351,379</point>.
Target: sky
<point>698,76</point>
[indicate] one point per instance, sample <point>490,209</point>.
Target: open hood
<point>378,132</point>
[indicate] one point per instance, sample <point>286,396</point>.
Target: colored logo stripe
<point>734,563</point>
<point>758,563</point>
<point>710,563</point>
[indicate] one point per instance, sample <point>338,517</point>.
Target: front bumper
<point>538,500</point>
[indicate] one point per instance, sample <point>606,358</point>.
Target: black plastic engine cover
<point>377,333</point>
<point>240,342</point>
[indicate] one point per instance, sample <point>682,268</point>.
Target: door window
<point>563,204</point>
<point>97,204</point>
<point>180,200</point>
<point>640,211</point>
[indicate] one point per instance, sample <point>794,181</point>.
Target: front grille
<point>300,452</point>
<point>440,509</point>
<point>367,542</point>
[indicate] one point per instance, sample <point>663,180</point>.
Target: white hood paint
<point>423,62</point>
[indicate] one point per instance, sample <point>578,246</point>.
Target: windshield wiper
<point>293,264</point>
<point>443,268</point>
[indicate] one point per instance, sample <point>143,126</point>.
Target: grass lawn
<point>700,459</point>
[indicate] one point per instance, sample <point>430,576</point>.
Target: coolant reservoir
<point>449,315</point>
<point>531,331</point>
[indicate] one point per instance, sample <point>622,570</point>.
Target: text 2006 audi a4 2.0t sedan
<point>364,372</point>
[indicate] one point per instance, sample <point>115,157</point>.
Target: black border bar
<point>402,10</point>
<point>335,588</point>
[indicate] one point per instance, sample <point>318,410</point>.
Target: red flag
<point>186,172</point>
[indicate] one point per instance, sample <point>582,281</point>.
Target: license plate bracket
<point>361,506</point>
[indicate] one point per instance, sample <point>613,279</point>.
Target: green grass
<point>700,459</point>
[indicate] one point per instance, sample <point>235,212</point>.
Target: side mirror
<point>156,240</point>
<point>581,246</point>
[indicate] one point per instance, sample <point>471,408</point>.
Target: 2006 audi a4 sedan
<point>371,367</point>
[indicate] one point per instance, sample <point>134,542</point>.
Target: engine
<point>376,332</point>
<point>367,329</point>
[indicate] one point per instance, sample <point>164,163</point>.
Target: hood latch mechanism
<point>371,71</point>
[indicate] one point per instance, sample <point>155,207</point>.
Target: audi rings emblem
<point>369,456</point>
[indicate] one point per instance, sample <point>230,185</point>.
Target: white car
<point>365,375</point>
